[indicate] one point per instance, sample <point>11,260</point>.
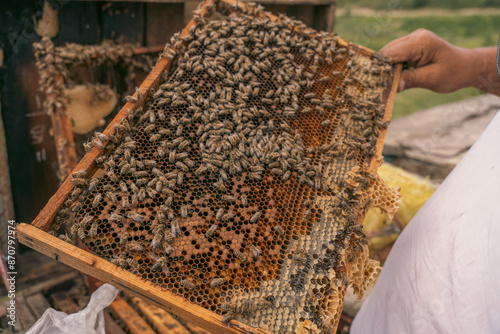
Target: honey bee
<point>132,263</point>
<point>97,200</point>
<point>141,195</point>
<point>155,242</point>
<point>151,193</point>
<point>155,137</point>
<point>229,198</point>
<point>65,237</point>
<point>119,261</point>
<point>93,230</point>
<point>244,200</point>
<point>211,231</point>
<point>255,176</point>
<point>184,211</point>
<point>176,231</point>
<point>217,282</point>
<point>140,174</point>
<point>187,284</point>
<point>160,263</point>
<point>326,122</point>
<point>241,256</point>
<point>148,129</point>
<point>86,220</point>
<point>135,216</point>
<point>125,169</point>
<point>219,214</point>
<point>79,182</point>
<point>307,215</point>
<point>180,178</point>
<point>255,217</point>
<point>123,238</point>
<point>182,166</point>
<point>97,142</point>
<point>278,229</point>
<point>81,232</point>
<point>112,176</point>
<point>76,192</point>
<point>256,251</point>
<point>228,216</point>
<point>134,247</point>
<point>130,98</point>
<point>227,318</point>
<point>79,174</point>
<point>134,201</point>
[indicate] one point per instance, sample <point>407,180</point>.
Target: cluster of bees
<point>248,102</point>
<point>55,64</point>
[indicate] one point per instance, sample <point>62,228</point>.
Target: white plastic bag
<point>90,320</point>
<point>443,273</point>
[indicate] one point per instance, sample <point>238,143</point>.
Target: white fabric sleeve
<point>443,273</point>
<point>90,320</point>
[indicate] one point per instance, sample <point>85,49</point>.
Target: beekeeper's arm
<point>442,67</point>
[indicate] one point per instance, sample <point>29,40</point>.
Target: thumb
<point>423,77</point>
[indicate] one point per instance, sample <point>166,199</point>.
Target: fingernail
<point>401,85</point>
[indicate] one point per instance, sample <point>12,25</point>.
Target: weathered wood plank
<point>38,304</point>
<point>63,302</point>
<point>162,21</point>
<point>135,324</point>
<point>377,158</point>
<point>110,325</point>
<point>78,22</point>
<point>161,321</point>
<point>24,318</point>
<point>48,284</point>
<point>123,22</point>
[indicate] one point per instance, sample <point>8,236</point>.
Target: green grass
<point>464,31</point>
<point>412,4</point>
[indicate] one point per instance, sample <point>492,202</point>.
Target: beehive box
<point>231,188</point>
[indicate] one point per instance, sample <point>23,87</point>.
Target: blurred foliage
<point>414,4</point>
<point>374,31</point>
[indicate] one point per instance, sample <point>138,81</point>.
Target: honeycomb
<point>241,183</point>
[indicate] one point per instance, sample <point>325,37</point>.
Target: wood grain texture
<point>37,304</point>
<point>63,302</point>
<point>25,318</point>
<point>377,158</point>
<point>162,21</point>
<point>110,326</point>
<point>133,321</point>
<point>123,22</point>
<point>160,320</point>
<point>95,266</point>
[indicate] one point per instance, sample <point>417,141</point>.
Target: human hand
<point>433,63</point>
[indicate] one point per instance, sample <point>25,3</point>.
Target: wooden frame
<point>35,235</point>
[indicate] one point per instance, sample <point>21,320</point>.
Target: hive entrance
<point>241,182</point>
